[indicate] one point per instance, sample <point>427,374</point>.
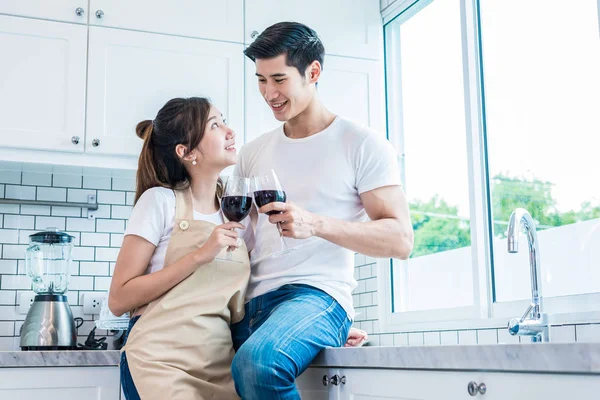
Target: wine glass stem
<point>283,243</point>
<point>229,256</point>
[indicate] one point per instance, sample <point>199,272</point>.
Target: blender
<point>49,324</point>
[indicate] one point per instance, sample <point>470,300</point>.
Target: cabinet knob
<point>96,142</point>
<point>79,11</point>
<point>99,14</point>
<point>473,388</point>
<point>254,34</point>
<point>75,140</point>
<point>325,380</point>
<point>337,380</point>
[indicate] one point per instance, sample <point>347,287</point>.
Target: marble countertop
<point>68,358</point>
<point>538,357</point>
<point>535,357</point>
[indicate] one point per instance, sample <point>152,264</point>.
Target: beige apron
<point>181,346</point>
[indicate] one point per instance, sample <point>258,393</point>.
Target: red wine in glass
<point>263,197</point>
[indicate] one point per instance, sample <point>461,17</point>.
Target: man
<point>335,174</point>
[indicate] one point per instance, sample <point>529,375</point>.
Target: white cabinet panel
<point>310,384</point>
<point>60,383</point>
<point>131,75</point>
<point>207,19</point>
<point>60,10</point>
<point>42,84</point>
<point>350,28</point>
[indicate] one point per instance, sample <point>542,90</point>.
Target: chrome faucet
<point>534,322</point>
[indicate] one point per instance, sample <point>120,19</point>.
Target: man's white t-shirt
<point>153,217</point>
<point>324,173</point>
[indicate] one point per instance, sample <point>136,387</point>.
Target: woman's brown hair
<point>180,121</point>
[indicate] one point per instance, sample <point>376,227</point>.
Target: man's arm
<point>388,234</point>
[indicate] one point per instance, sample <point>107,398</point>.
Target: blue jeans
<point>127,384</point>
<point>280,335</point>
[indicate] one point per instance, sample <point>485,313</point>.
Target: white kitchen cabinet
<point>352,88</point>
<point>311,387</point>
<point>387,384</point>
<point>131,75</point>
<point>42,84</point>
<point>75,11</point>
<point>350,28</point>
<point>60,383</point>
<point>207,19</point>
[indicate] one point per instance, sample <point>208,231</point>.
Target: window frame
<point>485,312</point>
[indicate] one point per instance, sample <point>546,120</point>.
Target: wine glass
<point>268,189</point>
<point>236,202</point>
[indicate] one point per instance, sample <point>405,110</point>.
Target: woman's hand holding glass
<point>236,204</point>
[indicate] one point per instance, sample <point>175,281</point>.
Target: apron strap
<point>184,207</point>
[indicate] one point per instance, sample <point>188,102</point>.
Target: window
<point>526,72</point>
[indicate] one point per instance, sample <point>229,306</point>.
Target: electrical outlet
<point>25,301</point>
<point>92,302</point>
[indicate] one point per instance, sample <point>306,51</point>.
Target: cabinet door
<point>60,10</point>
<point>207,19</point>
<point>350,28</point>
<point>131,75</point>
<point>349,87</point>
<point>377,384</point>
<point>515,386</point>
<point>310,384</point>
<point>60,383</point>
<point>42,84</point>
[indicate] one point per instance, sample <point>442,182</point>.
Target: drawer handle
<point>473,388</point>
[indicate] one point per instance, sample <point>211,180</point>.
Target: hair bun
<point>144,129</point>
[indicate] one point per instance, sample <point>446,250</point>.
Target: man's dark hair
<point>301,44</point>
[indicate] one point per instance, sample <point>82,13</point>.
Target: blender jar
<point>48,261</point>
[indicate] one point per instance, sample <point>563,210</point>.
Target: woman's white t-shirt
<point>153,216</point>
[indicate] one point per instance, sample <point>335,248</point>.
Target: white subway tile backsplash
<point>415,339</point>
<point>359,259</point>
<point>103,211</point>
<point>19,192</point>
<point>34,210</point>
<point>36,178</point>
<point>95,239</point>
<point>371,284</point>
<point>8,267</point>
<point>58,211</point>
<point>8,313</point>
<point>51,194</point>
<point>81,253</point>
<point>487,336</point>
<point>13,251</point>
<point>10,177</point>
<point>431,338</point>
<point>9,236</point>
<point>7,328</point>
<point>562,334</point>
<point>121,212</point>
<point>42,223</point>
<point>125,184</point>
<point>93,268</point>
<point>108,197</point>
<point>9,209</point>
<point>19,221</point>
<point>15,282</point>
<point>467,337</point>
<point>506,338</point>
<point>107,254</point>
<point>401,339</point>
<point>116,239</point>
<point>448,338</point>
<point>102,283</point>
<point>81,283</point>
<point>96,182</point>
<point>130,198</point>
<point>110,225</point>
<point>2,191</point>
<point>386,339</point>
<point>588,333</point>
<point>66,180</point>
<point>81,224</point>
<point>79,195</point>
<point>7,297</point>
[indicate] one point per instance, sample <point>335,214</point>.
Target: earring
<point>193,162</point>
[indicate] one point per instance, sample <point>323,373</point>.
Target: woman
<point>166,269</point>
